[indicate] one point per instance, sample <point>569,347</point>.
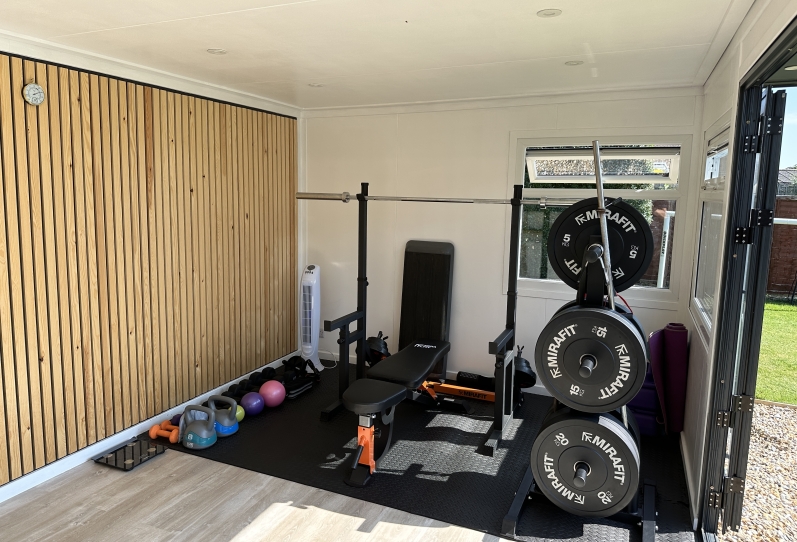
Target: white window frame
<point>608,180</point>
<point>712,190</point>
<point>638,296</point>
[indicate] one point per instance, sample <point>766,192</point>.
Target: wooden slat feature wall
<point>147,254</point>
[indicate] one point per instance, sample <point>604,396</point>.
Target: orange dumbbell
<point>167,426</point>
<point>172,433</point>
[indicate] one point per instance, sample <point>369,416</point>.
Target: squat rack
<point>502,347</point>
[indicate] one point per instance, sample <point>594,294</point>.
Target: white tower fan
<point>311,314</point>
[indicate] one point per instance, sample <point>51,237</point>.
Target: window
<point>708,257</point>
<point>638,168</point>
<point>646,177</point>
<point>716,162</point>
<point>709,235</point>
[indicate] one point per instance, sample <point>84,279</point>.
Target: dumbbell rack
<point>595,285</point>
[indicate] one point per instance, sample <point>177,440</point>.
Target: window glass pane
<point>585,167</point>
<point>534,262</point>
<point>536,224</point>
<point>708,258</point>
<point>631,168</point>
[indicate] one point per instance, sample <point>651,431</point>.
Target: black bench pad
<point>372,396</point>
<point>410,366</point>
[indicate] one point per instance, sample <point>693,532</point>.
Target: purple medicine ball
<point>253,403</point>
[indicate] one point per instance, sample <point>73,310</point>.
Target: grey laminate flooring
<point>177,496</point>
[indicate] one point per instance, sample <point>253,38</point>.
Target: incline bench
<point>388,383</point>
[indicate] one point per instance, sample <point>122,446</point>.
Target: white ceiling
<point>380,51</point>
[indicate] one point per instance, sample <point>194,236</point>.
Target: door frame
<point>744,273</point>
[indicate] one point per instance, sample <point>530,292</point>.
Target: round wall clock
<point>33,94</point>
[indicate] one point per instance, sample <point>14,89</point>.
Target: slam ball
<point>273,393</point>
<point>253,404</point>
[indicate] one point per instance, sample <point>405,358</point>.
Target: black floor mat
<point>433,469</point>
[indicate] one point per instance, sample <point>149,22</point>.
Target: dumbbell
<point>165,430</point>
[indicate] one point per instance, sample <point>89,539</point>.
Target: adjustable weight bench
<point>394,379</point>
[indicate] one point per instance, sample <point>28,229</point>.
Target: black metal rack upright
<point>346,336</point>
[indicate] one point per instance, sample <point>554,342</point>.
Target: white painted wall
<point>466,149</point>
<point>760,27</point>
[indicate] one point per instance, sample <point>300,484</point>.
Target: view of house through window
<point>646,177</point>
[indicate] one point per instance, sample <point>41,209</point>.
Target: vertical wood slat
<point>270,241</point>
<point>259,181</point>
<point>118,181</point>
<point>152,118</point>
<point>76,435</point>
<point>137,375</point>
<point>85,384</point>
<point>236,248</point>
<point>173,291</point>
<point>186,287</point>
<point>28,364</point>
<point>113,365</point>
<point>106,416</point>
<point>161,172</point>
<point>92,365</point>
<point>223,264</point>
<point>104,411</point>
<point>212,219</point>
<point>12,468</point>
<point>218,264</point>
<point>146,254</point>
<point>178,234</point>
<point>40,367</point>
<point>125,259</point>
<point>147,405</point>
<point>194,334</point>
<point>204,199</point>
<point>51,174</point>
<point>199,253</point>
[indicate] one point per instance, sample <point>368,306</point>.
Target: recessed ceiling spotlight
<point>217,51</point>
<point>315,85</point>
<point>548,13</point>
<point>790,68</point>
<point>574,63</point>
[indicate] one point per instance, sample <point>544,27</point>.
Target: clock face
<point>33,94</point>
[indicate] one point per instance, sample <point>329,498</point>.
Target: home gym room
<point>345,270</point>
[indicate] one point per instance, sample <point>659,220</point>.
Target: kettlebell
<point>197,427</point>
<point>226,422</point>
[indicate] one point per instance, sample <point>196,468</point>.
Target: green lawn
<point>777,365</point>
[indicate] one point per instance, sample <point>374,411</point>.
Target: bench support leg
<point>372,445</point>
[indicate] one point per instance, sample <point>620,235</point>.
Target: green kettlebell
<point>226,422</point>
<point>197,427</point>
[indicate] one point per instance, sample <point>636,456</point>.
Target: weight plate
<point>630,241</point>
<point>593,447</point>
<point>625,311</point>
<point>591,359</point>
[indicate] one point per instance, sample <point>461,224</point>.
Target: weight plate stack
<point>591,359</point>
<point>630,241</point>
<point>586,464</point>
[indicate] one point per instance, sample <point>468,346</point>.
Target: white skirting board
<point>32,479</point>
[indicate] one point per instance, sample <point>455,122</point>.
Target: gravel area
<point>770,504</point>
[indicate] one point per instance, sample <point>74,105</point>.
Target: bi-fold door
<point>747,243</point>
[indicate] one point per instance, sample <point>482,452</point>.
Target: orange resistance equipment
<point>428,387</point>
<point>365,438</point>
<point>159,431</point>
<point>167,426</point>
<point>459,391</point>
